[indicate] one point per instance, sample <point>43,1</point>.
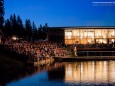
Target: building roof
<point>84,27</point>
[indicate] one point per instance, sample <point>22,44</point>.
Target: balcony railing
<point>96,53</point>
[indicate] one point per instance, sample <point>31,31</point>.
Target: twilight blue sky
<point>63,12</point>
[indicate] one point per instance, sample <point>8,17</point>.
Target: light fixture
<point>14,38</point>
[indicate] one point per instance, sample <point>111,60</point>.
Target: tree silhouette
<point>7,29</point>
<point>29,32</point>
<point>20,27</point>
<point>14,26</point>
<point>46,25</point>
<point>1,16</point>
<point>35,31</point>
<point>42,33</point>
<point>40,26</point>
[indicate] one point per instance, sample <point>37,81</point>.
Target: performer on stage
<point>75,51</point>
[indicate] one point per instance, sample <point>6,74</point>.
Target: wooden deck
<point>84,58</point>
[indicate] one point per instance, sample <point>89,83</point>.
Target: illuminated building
<point>82,35</point>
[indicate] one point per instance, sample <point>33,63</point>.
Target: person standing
<point>75,51</point>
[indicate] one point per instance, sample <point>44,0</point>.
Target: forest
<point>14,26</point>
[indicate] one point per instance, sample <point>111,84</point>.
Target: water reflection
<point>85,73</point>
<point>28,71</point>
<point>95,72</point>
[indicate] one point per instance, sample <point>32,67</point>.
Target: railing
<point>96,53</point>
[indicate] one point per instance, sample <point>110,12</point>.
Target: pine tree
<point>1,15</point>
<point>20,27</point>
<point>35,31</point>
<point>40,26</point>
<point>14,26</point>
<point>7,28</point>
<point>28,27</point>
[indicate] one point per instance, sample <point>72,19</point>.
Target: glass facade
<point>85,36</point>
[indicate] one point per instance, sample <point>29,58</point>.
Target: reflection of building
<point>90,72</point>
<point>82,35</point>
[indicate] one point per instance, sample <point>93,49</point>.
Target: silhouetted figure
<point>113,44</point>
<point>75,51</point>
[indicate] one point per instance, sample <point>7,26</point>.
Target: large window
<point>98,33</point>
<point>90,36</point>
<point>111,33</point>
<point>76,36</point>
<point>101,35</point>
<point>84,36</point>
<point>104,33</point>
<point>68,37</point>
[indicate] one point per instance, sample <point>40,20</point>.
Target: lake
<point>80,73</point>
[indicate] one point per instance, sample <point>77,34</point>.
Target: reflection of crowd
<point>36,51</point>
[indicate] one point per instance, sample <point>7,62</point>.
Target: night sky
<point>60,13</point>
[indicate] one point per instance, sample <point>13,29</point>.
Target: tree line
<point>1,16</point>
<point>15,27</point>
<point>28,31</point>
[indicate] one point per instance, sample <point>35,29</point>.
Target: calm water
<point>86,73</point>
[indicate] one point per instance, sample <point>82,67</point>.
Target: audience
<point>97,45</point>
<point>37,50</point>
<point>42,50</point>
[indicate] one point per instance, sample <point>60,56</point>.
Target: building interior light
<point>69,35</point>
<point>112,40</point>
<point>91,36</point>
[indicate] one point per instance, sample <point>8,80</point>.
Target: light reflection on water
<point>92,72</point>
<point>85,73</point>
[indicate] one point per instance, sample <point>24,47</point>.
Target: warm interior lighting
<point>89,41</point>
<point>104,41</point>
<point>69,35</point>
<point>104,36</point>
<point>101,41</point>
<point>83,36</point>
<point>75,33</point>
<point>112,40</point>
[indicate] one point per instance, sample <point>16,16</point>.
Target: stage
<point>84,58</point>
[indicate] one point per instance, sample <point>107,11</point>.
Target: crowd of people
<point>96,45</point>
<point>36,50</point>
<point>42,50</point>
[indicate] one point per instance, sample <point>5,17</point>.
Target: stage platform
<point>84,58</point>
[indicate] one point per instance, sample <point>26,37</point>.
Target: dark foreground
<point>82,73</point>
<point>9,66</point>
